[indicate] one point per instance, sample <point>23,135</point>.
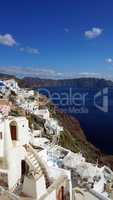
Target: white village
<point>34,167</point>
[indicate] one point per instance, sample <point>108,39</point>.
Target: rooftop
<point>83,194</point>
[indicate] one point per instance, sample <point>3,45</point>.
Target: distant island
<point>83,82</point>
<point>78,82</point>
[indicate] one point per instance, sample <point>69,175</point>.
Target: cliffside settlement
<point>33,165</point>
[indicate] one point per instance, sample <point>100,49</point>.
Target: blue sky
<point>56,38</point>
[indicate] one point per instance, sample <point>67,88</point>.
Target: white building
<point>29,105</point>
<point>42,113</point>
<point>11,149</point>
<point>2,87</point>
<point>99,180</point>
<point>39,142</point>
<point>12,85</point>
<point>72,160</point>
<point>25,93</point>
<point>19,161</point>
<point>52,126</point>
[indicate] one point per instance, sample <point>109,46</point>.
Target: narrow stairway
<point>37,167</point>
<point>33,162</point>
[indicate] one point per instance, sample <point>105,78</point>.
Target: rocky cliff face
<point>74,138</point>
<point>107,160</point>
<point>78,82</point>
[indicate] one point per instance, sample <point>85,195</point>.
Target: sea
<point>93,108</point>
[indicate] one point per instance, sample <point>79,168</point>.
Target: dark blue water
<point>93,108</point>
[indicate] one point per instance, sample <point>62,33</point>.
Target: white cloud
<point>29,50</point>
<point>93,33</point>
<point>109,60</point>
<point>7,40</point>
<point>45,73</point>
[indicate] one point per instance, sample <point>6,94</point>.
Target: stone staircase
<point>31,159</point>
<point>38,167</point>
